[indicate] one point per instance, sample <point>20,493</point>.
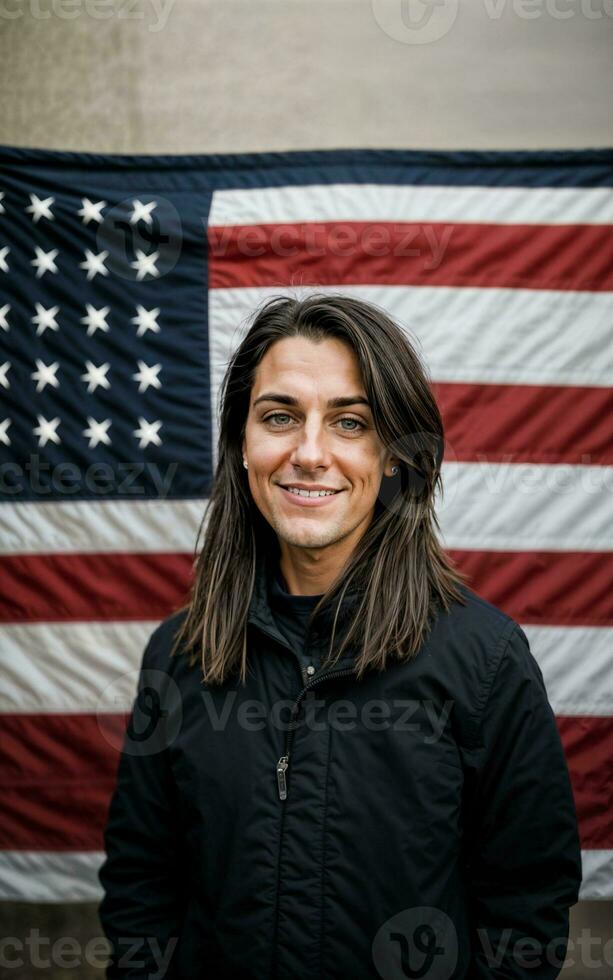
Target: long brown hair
<point>398,568</point>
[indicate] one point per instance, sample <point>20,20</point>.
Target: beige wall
<point>236,75</point>
<point>202,76</point>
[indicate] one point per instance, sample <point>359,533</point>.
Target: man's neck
<point>308,574</point>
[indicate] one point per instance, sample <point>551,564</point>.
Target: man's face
<point>313,443</point>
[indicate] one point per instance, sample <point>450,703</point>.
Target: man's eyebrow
<point>342,402</point>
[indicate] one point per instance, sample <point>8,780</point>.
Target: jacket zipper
<point>281,771</point>
<point>283,763</point>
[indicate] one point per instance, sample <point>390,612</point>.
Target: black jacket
<point>429,828</point>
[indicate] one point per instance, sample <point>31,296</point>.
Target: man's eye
<point>346,418</point>
<point>355,421</point>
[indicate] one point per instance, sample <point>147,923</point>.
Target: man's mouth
<point>303,492</point>
<point>302,497</point>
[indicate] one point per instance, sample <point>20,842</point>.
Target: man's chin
<point>306,537</point>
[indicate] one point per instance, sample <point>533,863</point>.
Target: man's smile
<point>304,498</point>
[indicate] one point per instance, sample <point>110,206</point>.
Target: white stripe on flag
<point>576,664</point>
<point>412,203</point>
<point>597,875</point>
<point>103,658</point>
<point>481,336</point>
<point>37,527</point>
<point>526,507</point>
<point>50,876</point>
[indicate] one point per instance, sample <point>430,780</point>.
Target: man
<point>341,762</point>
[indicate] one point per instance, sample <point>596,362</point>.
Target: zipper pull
<point>282,765</point>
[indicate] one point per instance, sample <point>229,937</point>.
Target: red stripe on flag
<point>59,772</point>
<point>97,586</point>
<point>561,257</point>
<point>544,588</point>
<point>587,745</point>
<point>553,588</point>
<point>493,423</point>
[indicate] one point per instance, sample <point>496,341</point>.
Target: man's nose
<point>311,448</point>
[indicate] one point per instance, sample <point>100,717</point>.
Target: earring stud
<point>245,464</point>
<point>394,470</point>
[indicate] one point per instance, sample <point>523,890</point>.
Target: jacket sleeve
<point>141,912</point>
<point>524,871</point>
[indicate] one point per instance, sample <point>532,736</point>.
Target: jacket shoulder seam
<point>474,729</point>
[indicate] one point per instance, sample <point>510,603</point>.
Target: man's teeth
<point>310,493</point>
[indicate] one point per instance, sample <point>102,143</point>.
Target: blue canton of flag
<point>104,371</point>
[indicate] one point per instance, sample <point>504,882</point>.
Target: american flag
<point>125,284</point>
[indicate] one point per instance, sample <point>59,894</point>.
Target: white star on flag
<point>4,381</point>
<point>45,375</point>
<point>1,204</point>
<point>3,254</point>
<point>148,375</point>
<point>97,432</point>
<point>91,211</point>
<point>45,318</point>
<point>45,430</point>
<point>44,261</point>
<point>4,437</point>
<point>142,212</point>
<point>145,264</point>
<point>3,314</point>
<point>96,375</point>
<point>147,432</point>
<point>96,319</point>
<point>146,320</point>
<point>40,209</point>
<point>94,264</point>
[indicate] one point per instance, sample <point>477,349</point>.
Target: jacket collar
<point>260,612</point>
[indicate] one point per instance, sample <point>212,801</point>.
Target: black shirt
<point>291,614</point>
